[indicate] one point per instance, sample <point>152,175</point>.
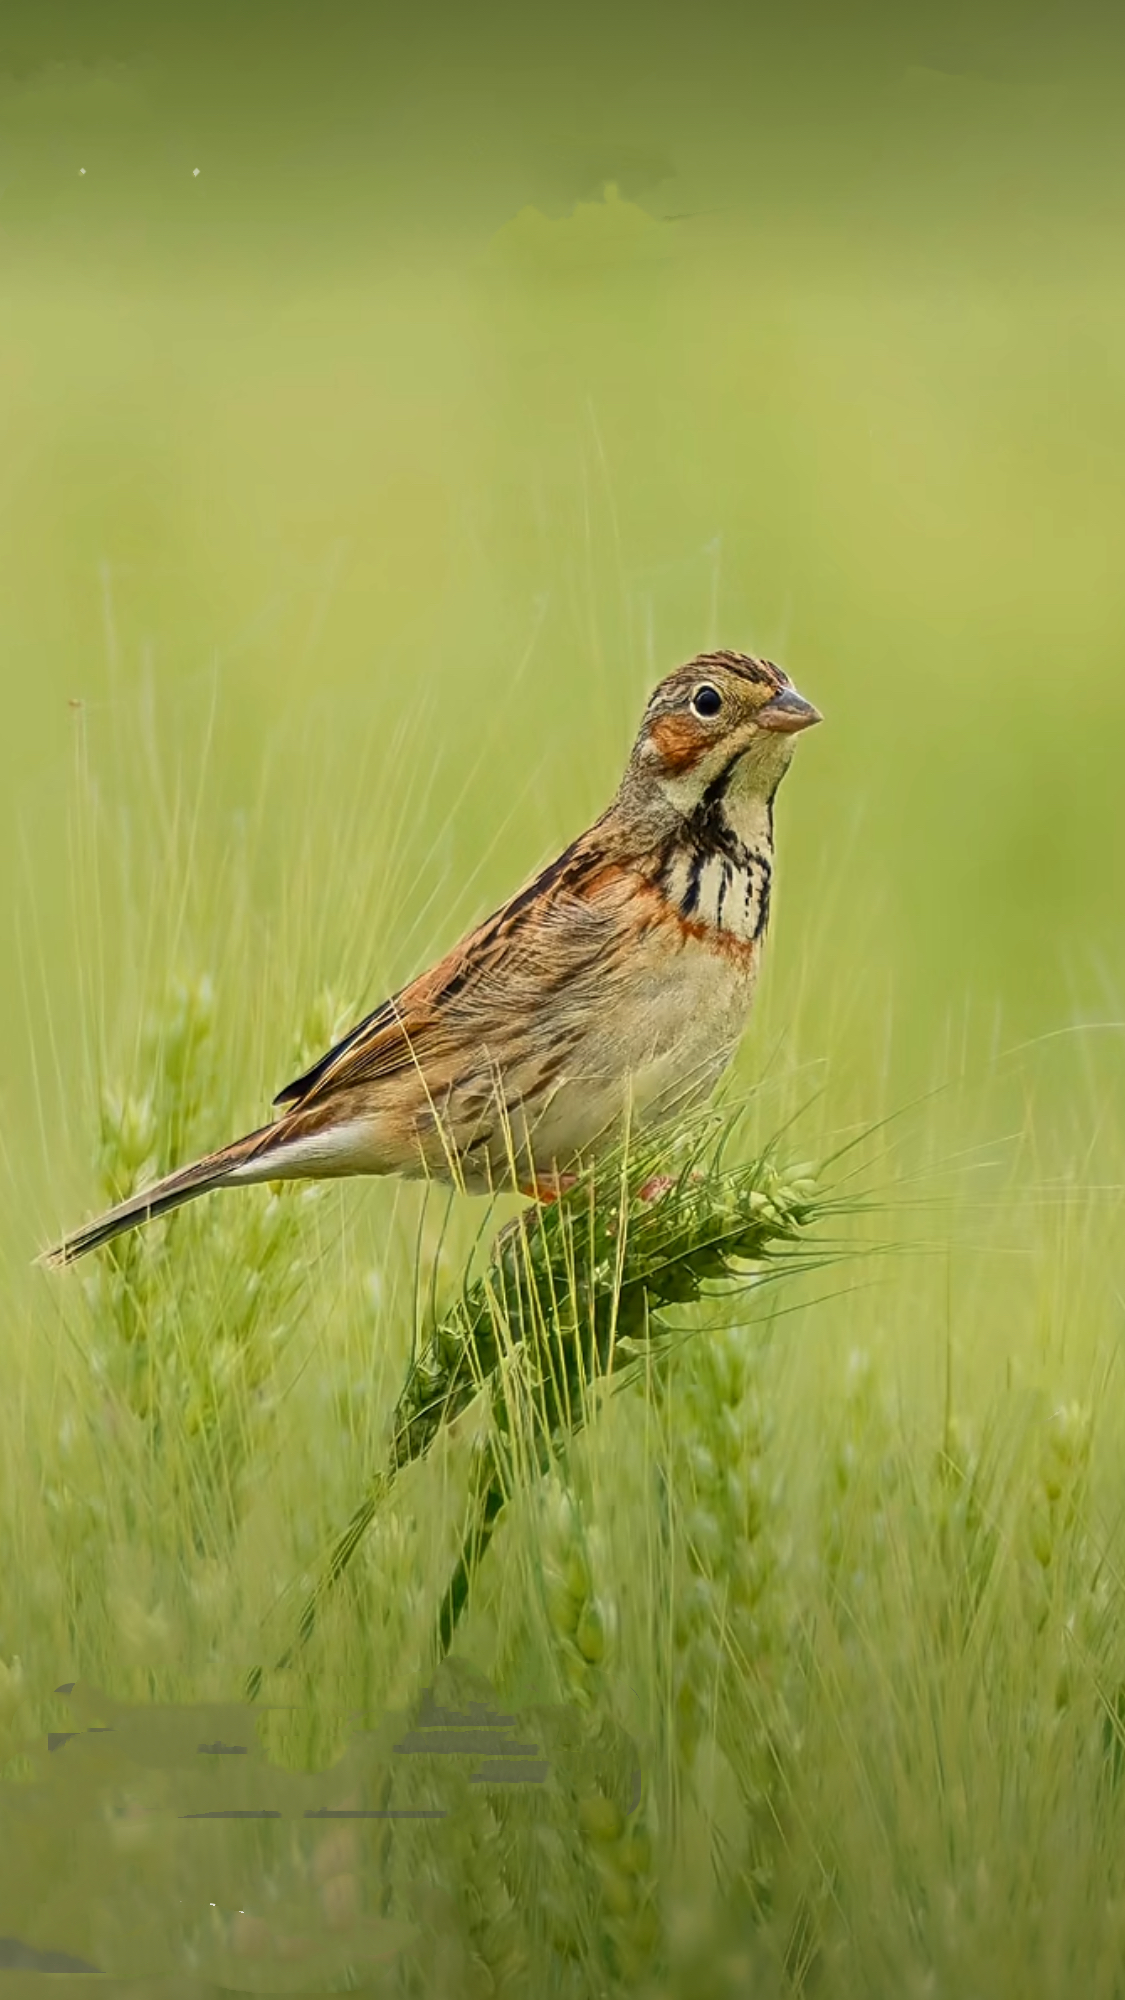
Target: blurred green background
<point>386,403</point>
<point>487,367</point>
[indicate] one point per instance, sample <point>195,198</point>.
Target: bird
<point>605,996</point>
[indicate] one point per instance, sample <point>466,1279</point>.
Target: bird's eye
<point>707,701</point>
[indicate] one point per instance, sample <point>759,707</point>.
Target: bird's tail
<point>215,1170</point>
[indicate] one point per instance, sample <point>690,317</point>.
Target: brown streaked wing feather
<point>379,1045</point>
<point>479,976</point>
<point>374,1026</point>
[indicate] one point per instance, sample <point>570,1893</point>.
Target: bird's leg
<point>658,1185</point>
<point>546,1188</point>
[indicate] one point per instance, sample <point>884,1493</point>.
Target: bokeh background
<point>388,399</point>
<point>486,367</point>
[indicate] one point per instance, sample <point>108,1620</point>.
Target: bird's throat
<point>717,868</point>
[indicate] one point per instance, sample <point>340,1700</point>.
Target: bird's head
<point>723,719</point>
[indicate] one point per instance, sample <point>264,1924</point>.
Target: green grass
<point>814,1620</point>
<point>338,571</point>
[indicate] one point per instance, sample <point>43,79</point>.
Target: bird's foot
<point>658,1185</point>
<point>546,1188</point>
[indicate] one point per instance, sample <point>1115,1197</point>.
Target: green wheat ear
<point>570,1295</point>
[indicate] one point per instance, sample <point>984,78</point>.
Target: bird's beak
<point>787,712</point>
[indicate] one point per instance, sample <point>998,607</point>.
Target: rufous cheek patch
<point>679,743</point>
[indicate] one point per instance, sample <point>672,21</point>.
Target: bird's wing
<point>548,939</point>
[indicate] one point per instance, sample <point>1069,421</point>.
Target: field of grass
<point>336,585</point>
